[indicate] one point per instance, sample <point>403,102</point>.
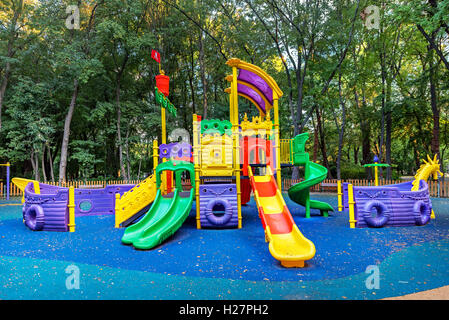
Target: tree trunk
<point>322,142</point>
<point>140,166</point>
<point>119,133</point>
<point>44,174</point>
<point>315,144</point>
<point>435,144</point>
<point>65,139</point>
<point>35,164</point>
<point>382,120</point>
<point>365,129</point>
<point>356,155</point>
<point>191,76</point>
<point>203,74</point>
<point>50,158</point>
<point>10,53</point>
<point>342,127</point>
<point>3,89</point>
<point>388,128</point>
<point>128,165</point>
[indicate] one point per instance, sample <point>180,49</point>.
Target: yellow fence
<point>436,188</point>
<point>14,191</point>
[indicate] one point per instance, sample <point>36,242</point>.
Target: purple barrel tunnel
<point>218,206</point>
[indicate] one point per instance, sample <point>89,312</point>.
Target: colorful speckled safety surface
<point>222,264</point>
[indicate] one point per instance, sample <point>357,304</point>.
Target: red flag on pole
<point>156,56</point>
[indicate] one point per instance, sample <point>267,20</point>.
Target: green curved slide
<point>314,174</point>
<point>167,213</point>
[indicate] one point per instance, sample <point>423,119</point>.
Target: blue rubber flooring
<point>223,264</point>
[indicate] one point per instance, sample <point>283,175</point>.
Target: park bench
<point>325,186</point>
<point>94,186</point>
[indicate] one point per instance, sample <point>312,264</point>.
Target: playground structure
<point>402,204</point>
<point>221,163</point>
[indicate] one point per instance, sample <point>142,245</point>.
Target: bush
<point>352,172</point>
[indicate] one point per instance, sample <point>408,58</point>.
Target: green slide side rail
<point>314,174</point>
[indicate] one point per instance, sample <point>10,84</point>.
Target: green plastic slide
<point>163,219</point>
<point>167,213</point>
<point>314,174</point>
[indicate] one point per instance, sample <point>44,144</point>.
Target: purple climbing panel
<point>175,150</point>
<point>392,205</point>
<point>218,206</point>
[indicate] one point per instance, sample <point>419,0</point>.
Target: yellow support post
<point>163,126</point>
<point>236,143</point>
<point>277,140</point>
<point>71,207</point>
<point>231,107</point>
<point>196,163</point>
<point>164,141</point>
<point>155,155</point>
<point>37,188</point>
<point>376,176</point>
<point>351,204</point>
<point>118,216</point>
<point>340,196</point>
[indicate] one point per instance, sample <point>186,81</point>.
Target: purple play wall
<point>102,200</point>
<point>56,213</point>
<point>54,201</point>
<point>398,199</point>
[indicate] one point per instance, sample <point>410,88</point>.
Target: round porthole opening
<point>218,210</point>
<point>85,206</point>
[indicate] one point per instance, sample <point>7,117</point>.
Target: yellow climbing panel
<point>135,200</point>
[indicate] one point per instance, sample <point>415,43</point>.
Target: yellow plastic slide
<point>286,243</point>
<point>134,203</point>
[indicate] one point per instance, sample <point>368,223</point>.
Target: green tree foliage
<point>358,90</point>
